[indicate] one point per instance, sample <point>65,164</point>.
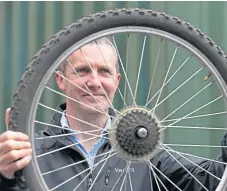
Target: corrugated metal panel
<point>25,26</point>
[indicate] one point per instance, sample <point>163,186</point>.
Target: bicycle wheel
<point>170,105</point>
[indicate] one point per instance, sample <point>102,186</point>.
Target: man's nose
<point>93,80</point>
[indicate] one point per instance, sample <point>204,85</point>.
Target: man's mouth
<point>93,95</point>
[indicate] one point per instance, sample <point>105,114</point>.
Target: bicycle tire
<point>59,43</point>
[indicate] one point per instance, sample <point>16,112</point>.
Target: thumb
<point>7,117</point>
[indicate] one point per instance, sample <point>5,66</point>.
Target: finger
<point>7,117</point>
<point>10,169</point>
<point>14,155</point>
<point>11,135</point>
<point>10,145</point>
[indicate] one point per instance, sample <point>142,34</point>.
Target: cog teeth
<point>127,125</point>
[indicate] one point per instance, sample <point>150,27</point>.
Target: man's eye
<point>105,71</point>
<point>82,71</point>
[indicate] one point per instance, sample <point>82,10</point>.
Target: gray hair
<point>100,41</point>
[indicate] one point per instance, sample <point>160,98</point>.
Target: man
<point>89,78</point>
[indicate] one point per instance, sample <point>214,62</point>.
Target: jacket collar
<point>51,130</point>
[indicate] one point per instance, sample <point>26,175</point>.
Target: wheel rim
<point>215,74</point>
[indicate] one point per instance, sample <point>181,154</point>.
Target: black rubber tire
<point>82,28</point>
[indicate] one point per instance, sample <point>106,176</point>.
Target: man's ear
<point>117,81</point>
<point>118,78</point>
<point>59,76</point>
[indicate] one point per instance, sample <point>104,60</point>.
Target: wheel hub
<point>135,133</point>
<point>142,132</point>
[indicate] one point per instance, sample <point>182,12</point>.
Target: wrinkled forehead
<point>101,53</point>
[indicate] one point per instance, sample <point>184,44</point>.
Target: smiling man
<point>91,76</point>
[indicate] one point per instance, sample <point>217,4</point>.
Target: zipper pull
<point>107,177</point>
<point>89,181</point>
<point>106,180</point>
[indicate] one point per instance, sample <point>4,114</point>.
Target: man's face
<point>102,80</point>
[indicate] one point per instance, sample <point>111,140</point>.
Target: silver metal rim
<point>127,29</point>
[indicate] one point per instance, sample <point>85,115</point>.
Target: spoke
<point>154,71</point>
<point>86,85</point>
<point>90,172</point>
<point>73,164</point>
<point>155,178</point>
<point>185,168</point>
<point>160,181</point>
<point>75,132</point>
<point>194,145</point>
<point>187,101</point>
<point>71,179</point>
<point>195,156</point>
<point>83,180</point>
<point>65,128</point>
<point>126,171</point>
<point>98,174</point>
<point>70,116</point>
<point>115,110</point>
<point>168,80</point>
<point>111,75</point>
<point>151,165</point>
<point>99,80</point>
<point>57,92</point>
<point>71,66</point>
<point>126,78</point>
<point>151,182</point>
<point>169,149</point>
<point>67,134</point>
<point>193,127</point>
<point>197,116</point>
<point>67,146</point>
<point>141,61</point>
<point>167,73</point>
<point>126,166</point>
<point>56,126</point>
<point>176,89</point>
<point>127,54</point>
<point>192,112</point>
<point>79,174</point>
<point>130,180</point>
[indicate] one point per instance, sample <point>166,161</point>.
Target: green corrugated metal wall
<point>25,26</point>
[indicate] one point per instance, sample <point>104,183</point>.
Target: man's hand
<point>15,151</point>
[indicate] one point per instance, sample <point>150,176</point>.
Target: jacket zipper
<point>89,181</point>
<point>107,178</point>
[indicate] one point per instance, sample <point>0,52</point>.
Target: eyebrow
<point>86,65</point>
<point>79,67</point>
